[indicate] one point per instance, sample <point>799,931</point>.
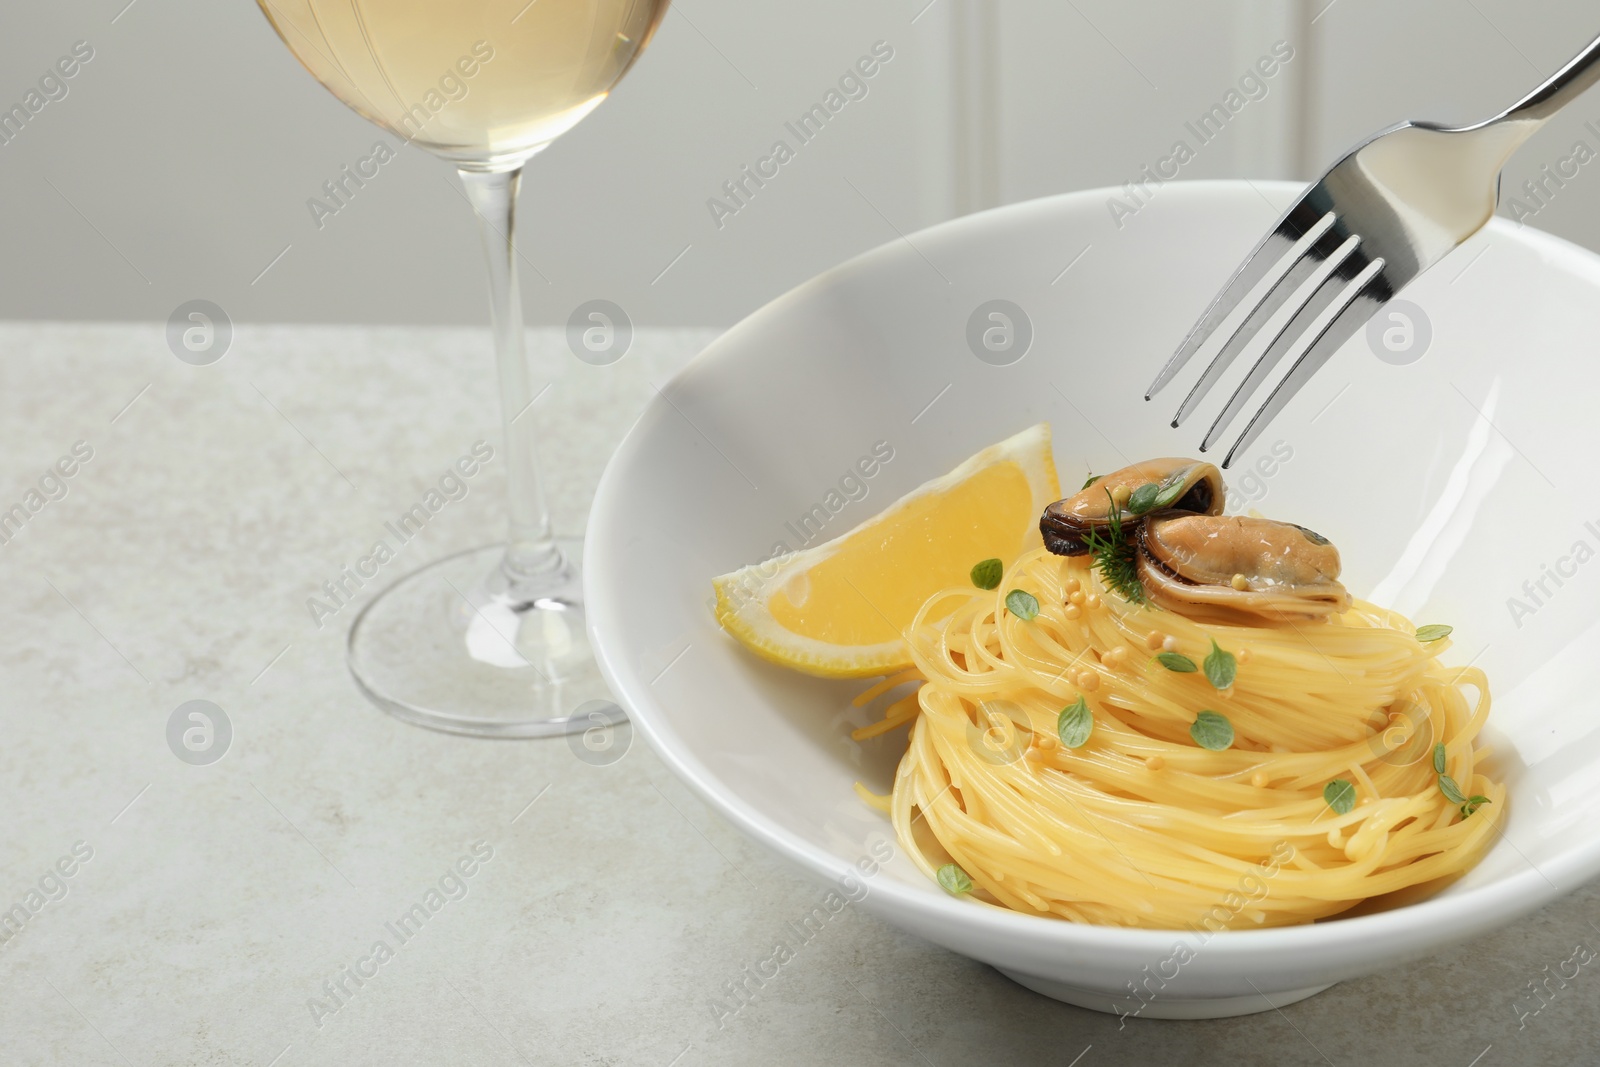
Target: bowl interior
<point>1454,485</point>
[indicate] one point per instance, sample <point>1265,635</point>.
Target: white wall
<point>180,163</point>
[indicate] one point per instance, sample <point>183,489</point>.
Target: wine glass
<point>489,642</point>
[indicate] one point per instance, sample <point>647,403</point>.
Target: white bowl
<point>1447,483</point>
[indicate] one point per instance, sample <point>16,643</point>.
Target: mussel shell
<point>1188,486</point>
<point>1188,564</point>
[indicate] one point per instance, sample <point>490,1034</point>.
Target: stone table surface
<point>211,911</point>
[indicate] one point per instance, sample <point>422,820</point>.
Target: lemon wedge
<point>841,609</point>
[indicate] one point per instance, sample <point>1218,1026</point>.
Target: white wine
<point>484,83</point>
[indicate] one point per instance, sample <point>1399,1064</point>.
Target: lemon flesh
<point>841,609</point>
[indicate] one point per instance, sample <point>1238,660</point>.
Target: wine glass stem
<point>532,559</point>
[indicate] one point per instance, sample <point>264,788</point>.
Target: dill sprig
<point>1116,557</point>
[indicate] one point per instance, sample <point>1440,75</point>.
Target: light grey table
<point>226,913</point>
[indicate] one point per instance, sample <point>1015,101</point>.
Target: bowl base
<point>1161,1007</point>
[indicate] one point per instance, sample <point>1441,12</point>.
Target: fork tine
<point>1369,292</point>
<point>1347,261</point>
<point>1293,229</point>
<point>1322,248</point>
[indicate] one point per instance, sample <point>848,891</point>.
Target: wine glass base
<point>448,647</point>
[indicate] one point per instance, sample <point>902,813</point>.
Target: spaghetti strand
<point>1140,826</point>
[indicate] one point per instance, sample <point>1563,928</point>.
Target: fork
<point>1393,207</point>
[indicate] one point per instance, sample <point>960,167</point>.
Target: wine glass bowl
<point>491,642</point>
<point>482,83</point>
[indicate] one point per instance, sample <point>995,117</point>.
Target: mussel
<point>1235,568</point>
<point>1183,486</point>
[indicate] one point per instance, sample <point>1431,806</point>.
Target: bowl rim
<point>1456,917</point>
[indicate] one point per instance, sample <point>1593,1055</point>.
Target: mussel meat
<point>1236,568</point>
<point>1186,486</point>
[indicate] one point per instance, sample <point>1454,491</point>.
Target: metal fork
<point>1386,212</point>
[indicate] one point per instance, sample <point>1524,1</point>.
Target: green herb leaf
<point>1451,791</point>
<point>954,880</point>
<point>1176,661</point>
<point>1143,498</point>
<point>1473,804</point>
<point>1090,481</point>
<point>987,574</point>
<point>1438,758</point>
<point>1075,724</point>
<point>1212,731</point>
<point>1024,606</point>
<point>1340,795</point>
<point>1433,632</point>
<point>1118,563</point>
<point>1173,487</point>
<point>1220,666</point>
<point>1116,557</point>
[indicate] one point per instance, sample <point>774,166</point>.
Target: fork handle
<point>1562,88</point>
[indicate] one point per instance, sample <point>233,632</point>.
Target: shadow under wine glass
<point>489,642</point>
